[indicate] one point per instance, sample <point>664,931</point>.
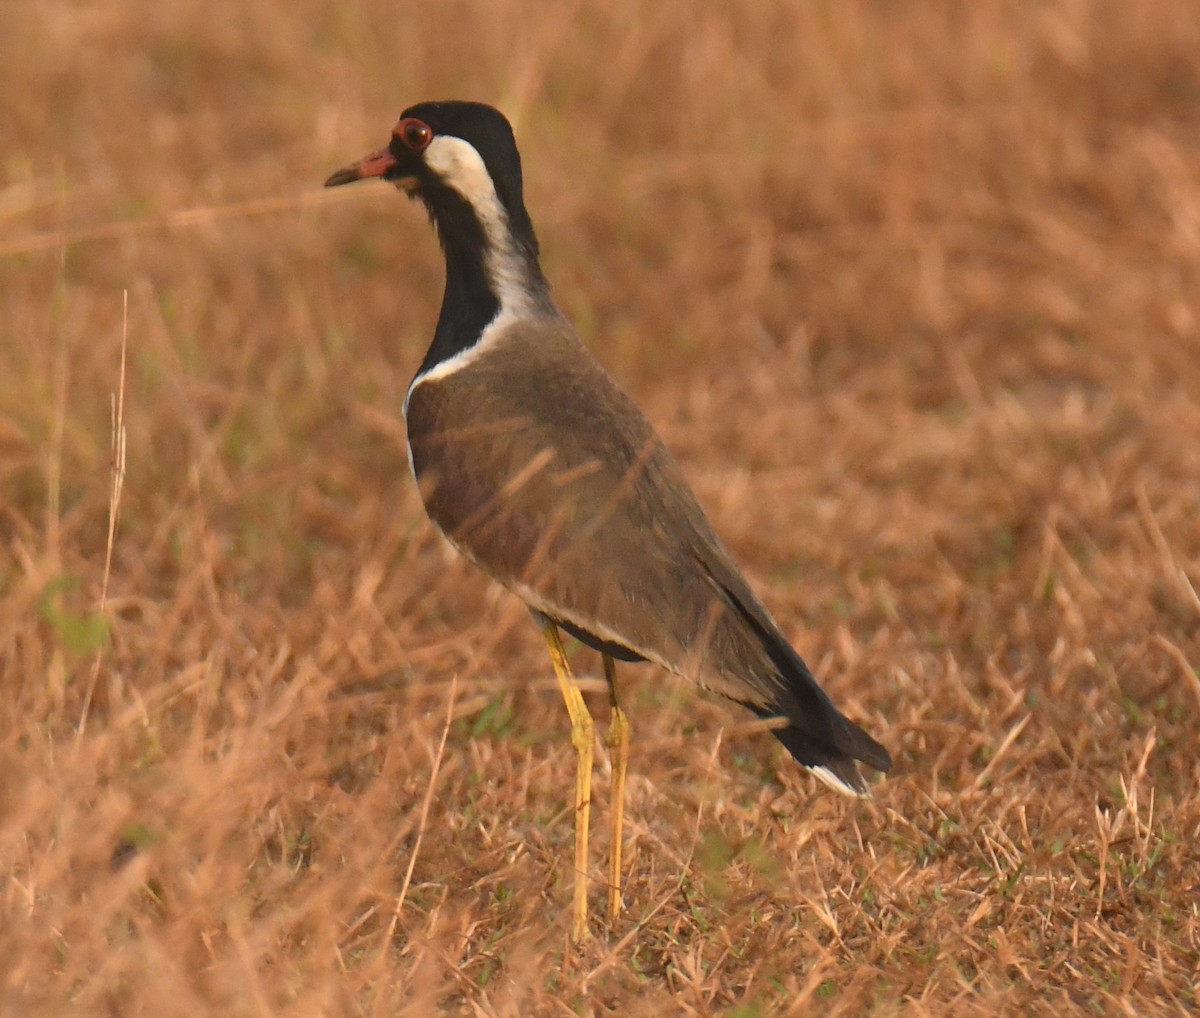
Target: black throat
<point>472,298</point>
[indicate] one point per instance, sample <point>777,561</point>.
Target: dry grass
<point>914,292</point>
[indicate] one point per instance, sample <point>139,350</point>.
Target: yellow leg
<point>582,735</point>
<point>618,742</point>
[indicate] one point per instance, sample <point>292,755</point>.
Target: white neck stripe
<point>487,339</point>
<point>461,167</point>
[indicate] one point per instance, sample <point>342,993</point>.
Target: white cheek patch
<point>460,166</point>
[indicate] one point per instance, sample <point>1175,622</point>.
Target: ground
<point>912,291</point>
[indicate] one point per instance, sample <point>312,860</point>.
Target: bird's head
<point>446,153</point>
<point>461,160</point>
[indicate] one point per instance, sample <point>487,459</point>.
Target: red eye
<point>416,134</point>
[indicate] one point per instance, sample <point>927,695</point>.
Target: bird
<point>538,468</point>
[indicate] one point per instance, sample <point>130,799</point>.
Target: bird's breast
<point>482,470</point>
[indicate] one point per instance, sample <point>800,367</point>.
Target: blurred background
<point>912,291</point>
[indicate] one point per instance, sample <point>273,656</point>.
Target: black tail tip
<point>842,776</point>
<point>836,767</point>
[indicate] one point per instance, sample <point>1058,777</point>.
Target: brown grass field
<point>912,291</point>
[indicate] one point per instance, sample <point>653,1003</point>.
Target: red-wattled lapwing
<point>537,467</point>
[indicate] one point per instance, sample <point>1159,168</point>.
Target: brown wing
<point>541,470</point>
